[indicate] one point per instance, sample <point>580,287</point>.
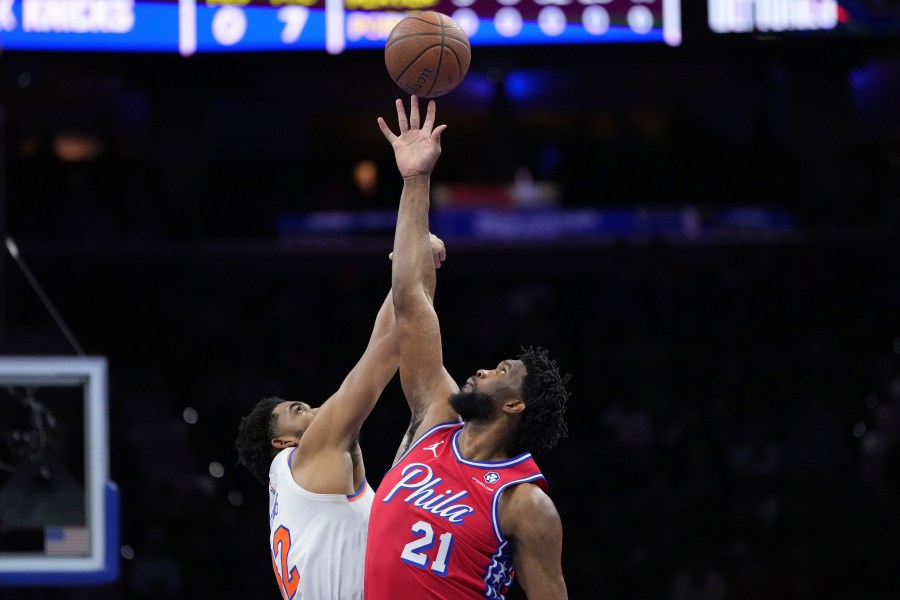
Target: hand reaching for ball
<point>418,146</point>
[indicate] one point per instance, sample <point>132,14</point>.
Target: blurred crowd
<point>151,149</point>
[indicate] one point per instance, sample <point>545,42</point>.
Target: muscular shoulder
<point>526,511</point>
<point>333,470</point>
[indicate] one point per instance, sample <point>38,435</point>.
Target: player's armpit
<point>529,519</point>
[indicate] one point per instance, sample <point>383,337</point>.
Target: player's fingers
<point>438,250</point>
<point>436,134</point>
<point>386,131</point>
<point>401,116</point>
<point>429,115</point>
<point>414,111</point>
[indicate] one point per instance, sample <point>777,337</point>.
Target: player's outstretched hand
<point>438,251</point>
<point>418,145</point>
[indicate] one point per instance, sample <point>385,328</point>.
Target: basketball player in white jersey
<point>319,500</point>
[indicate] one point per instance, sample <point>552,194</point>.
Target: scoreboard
<point>215,26</point>
<point>208,26</point>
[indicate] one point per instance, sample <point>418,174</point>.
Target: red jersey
<point>434,529</point>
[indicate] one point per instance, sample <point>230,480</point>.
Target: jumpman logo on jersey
<point>433,447</point>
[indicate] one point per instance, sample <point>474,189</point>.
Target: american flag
<point>67,541</point>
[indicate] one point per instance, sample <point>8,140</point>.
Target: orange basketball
<point>427,54</point>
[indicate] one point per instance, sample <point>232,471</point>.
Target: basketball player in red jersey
<point>464,505</point>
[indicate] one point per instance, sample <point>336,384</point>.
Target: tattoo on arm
<point>414,423</point>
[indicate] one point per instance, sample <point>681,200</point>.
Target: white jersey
<point>318,541</point>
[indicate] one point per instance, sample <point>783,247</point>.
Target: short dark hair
<point>255,435</point>
<point>545,395</point>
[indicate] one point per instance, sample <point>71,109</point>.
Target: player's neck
<point>483,442</point>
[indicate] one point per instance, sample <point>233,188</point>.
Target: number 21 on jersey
<point>288,579</point>
<point>417,553</point>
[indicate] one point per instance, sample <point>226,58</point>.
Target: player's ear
<point>514,406</point>
<point>284,442</point>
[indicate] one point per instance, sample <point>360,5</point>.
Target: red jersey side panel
<point>434,532</point>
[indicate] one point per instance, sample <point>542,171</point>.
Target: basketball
<point>427,54</point>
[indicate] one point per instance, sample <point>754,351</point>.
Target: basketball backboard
<point>58,509</point>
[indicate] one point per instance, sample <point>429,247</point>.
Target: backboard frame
<point>102,510</point>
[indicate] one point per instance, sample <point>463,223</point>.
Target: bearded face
<point>473,406</point>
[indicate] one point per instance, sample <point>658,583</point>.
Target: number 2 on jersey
<point>288,579</point>
<point>414,552</point>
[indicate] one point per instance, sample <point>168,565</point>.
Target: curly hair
<point>545,395</point>
<point>254,440</point>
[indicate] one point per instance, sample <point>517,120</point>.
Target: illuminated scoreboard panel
<point>772,16</point>
<point>192,26</point>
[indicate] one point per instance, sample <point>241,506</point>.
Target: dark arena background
<point>703,230</point>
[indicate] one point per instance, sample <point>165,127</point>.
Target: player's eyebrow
<point>508,364</point>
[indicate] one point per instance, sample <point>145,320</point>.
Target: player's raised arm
<point>355,398</point>
<point>422,375</point>
<point>338,420</point>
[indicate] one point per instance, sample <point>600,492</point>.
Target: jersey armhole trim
<point>358,493</point>
<point>495,504</point>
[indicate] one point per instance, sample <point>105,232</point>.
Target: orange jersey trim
<point>358,493</point>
